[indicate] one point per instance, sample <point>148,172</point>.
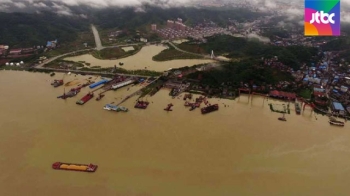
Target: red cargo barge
<point>85,99</point>
<point>74,167</point>
<point>210,108</point>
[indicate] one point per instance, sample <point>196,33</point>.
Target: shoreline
<point>141,60</point>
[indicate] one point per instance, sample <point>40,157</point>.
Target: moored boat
<point>85,99</point>
<point>336,123</point>
<point>297,108</point>
<point>282,119</point>
<point>210,108</point>
<point>168,108</point>
<point>57,83</point>
<point>100,96</point>
<point>74,167</point>
<point>112,107</point>
<point>73,92</point>
<point>141,104</point>
<point>188,104</point>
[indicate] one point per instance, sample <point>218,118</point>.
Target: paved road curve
<point>56,57</point>
<point>87,72</point>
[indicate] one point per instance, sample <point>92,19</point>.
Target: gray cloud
<point>63,7</point>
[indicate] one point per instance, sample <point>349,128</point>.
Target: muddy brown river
<point>242,149</point>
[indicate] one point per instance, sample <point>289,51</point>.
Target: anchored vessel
<point>168,108</point>
<point>74,167</point>
<point>141,104</point>
<point>100,96</point>
<point>336,123</point>
<point>57,83</point>
<point>297,108</point>
<point>210,108</point>
<point>71,93</point>
<point>85,99</point>
<point>111,107</point>
<point>282,119</point>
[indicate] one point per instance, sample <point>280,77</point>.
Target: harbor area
<point>106,91</point>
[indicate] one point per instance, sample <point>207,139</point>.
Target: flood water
<point>239,150</point>
<point>140,60</point>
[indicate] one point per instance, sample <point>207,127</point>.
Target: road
<point>87,72</point>
<point>57,57</point>
<point>97,38</point>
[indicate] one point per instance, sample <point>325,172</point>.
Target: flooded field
<point>242,149</point>
<point>141,60</point>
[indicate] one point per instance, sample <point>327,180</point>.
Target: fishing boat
<point>193,107</point>
<point>74,167</point>
<point>115,108</point>
<point>168,108</point>
<point>57,83</point>
<point>141,104</point>
<point>297,108</point>
<point>282,118</point>
<point>210,108</point>
<point>100,96</point>
<point>73,92</point>
<point>110,107</point>
<point>122,108</point>
<point>188,104</point>
<point>336,123</point>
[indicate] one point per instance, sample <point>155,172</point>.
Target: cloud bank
<point>292,8</point>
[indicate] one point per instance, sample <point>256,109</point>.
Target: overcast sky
<point>62,6</point>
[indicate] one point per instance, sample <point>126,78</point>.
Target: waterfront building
<point>338,108</point>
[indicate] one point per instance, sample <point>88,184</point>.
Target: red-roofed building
<point>282,95</point>
<point>319,92</point>
<point>15,52</point>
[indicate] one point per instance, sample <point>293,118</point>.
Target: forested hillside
<point>24,29</point>
<point>128,18</point>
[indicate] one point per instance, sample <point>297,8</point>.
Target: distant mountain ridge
<point>25,29</point>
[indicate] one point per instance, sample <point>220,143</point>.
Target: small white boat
<point>111,107</point>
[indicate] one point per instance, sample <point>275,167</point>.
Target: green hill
<point>128,18</point>
<point>24,29</point>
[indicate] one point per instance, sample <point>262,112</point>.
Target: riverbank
<point>241,149</point>
<point>115,53</point>
<point>140,61</point>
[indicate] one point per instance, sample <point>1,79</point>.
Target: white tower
<point>212,54</point>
